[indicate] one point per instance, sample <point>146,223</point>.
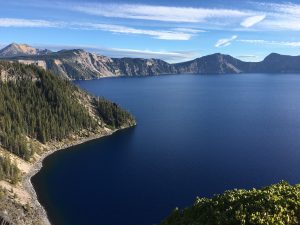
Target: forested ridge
<point>37,105</point>
<point>42,110</point>
<point>111,113</point>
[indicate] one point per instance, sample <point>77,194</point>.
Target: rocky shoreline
<point>20,205</point>
<point>26,181</point>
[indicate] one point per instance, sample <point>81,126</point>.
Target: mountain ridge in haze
<point>78,64</point>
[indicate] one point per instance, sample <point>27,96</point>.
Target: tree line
<point>112,114</point>
<point>43,110</point>
<point>35,103</point>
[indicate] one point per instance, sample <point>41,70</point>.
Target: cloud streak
<point>157,13</point>
<point>225,42</point>
<point>251,21</point>
<point>176,34</point>
<point>260,17</point>
<point>15,22</point>
<point>264,16</point>
<point>279,43</point>
<point>179,34</point>
<point>280,16</point>
<point>178,56</point>
<point>169,56</point>
<point>247,56</point>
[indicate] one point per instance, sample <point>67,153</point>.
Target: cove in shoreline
<point>36,167</point>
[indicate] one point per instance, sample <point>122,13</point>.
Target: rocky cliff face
<point>142,67</point>
<point>80,65</point>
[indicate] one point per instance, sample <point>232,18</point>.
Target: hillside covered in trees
<point>276,204</point>
<point>36,105</point>
<point>8,170</point>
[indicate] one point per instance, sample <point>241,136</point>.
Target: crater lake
<point>196,135</point>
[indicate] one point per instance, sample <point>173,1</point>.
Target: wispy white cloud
<point>15,22</point>
<point>282,22</point>
<point>279,43</point>
<point>246,56</point>
<point>252,20</point>
<point>168,34</point>
<point>280,16</point>
<point>189,30</point>
<point>254,41</point>
<point>288,8</point>
<point>158,13</point>
<point>225,42</point>
<point>176,34</point>
<point>249,58</point>
<point>262,16</point>
<point>169,56</point>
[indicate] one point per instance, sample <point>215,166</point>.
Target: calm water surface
<point>196,136</point>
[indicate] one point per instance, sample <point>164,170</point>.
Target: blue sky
<point>171,30</point>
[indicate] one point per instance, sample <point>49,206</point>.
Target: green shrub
<point>278,204</point>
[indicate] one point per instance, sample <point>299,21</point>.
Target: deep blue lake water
<point>197,135</point>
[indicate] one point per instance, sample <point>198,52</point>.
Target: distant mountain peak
<point>218,55</point>
<point>272,55</point>
<point>215,54</point>
<point>14,49</point>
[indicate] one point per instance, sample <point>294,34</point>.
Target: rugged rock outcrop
<point>142,67</point>
<point>80,65</point>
